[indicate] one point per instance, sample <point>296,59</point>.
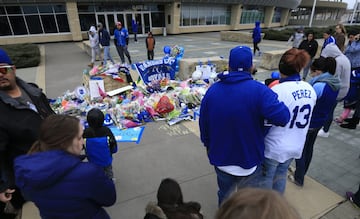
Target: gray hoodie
<point>93,37</point>
<point>343,68</point>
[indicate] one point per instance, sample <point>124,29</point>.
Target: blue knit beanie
<point>240,58</point>
<point>4,58</point>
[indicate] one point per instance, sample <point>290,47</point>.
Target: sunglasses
<point>4,69</point>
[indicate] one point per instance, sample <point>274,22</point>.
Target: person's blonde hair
<point>342,28</point>
<point>254,203</point>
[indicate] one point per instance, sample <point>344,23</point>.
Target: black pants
<point>357,197</point>
<point>150,54</point>
<point>256,47</point>
<point>121,51</point>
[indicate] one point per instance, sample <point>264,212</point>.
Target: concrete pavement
<point>177,152</point>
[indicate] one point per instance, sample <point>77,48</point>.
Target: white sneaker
<point>323,134</point>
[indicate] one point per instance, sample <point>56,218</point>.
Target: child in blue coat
<point>100,142</point>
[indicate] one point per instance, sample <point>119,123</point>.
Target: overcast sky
<point>350,3</point>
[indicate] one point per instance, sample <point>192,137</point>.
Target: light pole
<point>353,15</point>
<point>312,13</point>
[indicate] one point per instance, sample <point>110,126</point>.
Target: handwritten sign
<point>127,135</point>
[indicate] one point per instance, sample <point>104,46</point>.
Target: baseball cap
<point>4,58</point>
<point>240,58</point>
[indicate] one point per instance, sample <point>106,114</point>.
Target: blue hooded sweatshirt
<point>232,117</point>
<point>62,186</point>
<point>327,88</point>
<point>256,35</point>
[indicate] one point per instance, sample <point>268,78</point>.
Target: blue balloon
<point>167,50</point>
<point>275,75</point>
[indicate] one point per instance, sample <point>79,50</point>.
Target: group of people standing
<point>101,36</point>
<point>252,141</point>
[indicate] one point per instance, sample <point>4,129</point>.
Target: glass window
<point>49,24</point>
<point>196,14</point>
<point>250,14</point>
<point>18,25</point>
<point>34,25</point>
<point>45,9</point>
<point>30,9</point>
<point>59,8</point>
<point>5,27</point>
<point>277,15</point>
<point>158,19</point>
<point>86,8</point>
<point>87,20</point>
<point>62,23</point>
<point>2,10</point>
<point>13,10</point>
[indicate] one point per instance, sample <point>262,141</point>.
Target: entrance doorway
<point>110,18</point>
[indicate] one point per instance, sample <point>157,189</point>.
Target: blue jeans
<point>275,174</point>
<point>229,183</point>
<point>302,164</point>
<point>107,55</point>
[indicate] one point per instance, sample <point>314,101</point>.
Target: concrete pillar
<point>236,11</point>
<point>73,19</point>
<point>269,13</point>
<point>172,17</point>
<point>285,15</point>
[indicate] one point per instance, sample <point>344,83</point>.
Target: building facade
<point>38,21</point>
<point>327,12</point>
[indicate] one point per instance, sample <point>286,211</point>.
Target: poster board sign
<point>94,87</point>
<point>128,135</point>
<point>155,70</point>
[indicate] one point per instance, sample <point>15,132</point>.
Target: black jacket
<point>309,46</point>
<point>19,127</point>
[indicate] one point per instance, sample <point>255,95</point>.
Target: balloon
<point>167,50</point>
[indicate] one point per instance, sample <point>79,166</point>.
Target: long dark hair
<point>56,132</point>
<point>170,200</point>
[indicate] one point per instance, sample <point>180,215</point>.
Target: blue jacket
<point>328,41</point>
<point>232,117</point>
<point>104,37</point>
<point>134,26</point>
<point>121,36</point>
<point>256,35</point>
<point>62,186</point>
<point>327,88</point>
<point>352,51</point>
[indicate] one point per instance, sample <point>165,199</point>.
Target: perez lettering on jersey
<point>302,93</point>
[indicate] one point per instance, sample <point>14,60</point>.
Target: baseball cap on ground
<point>4,58</point>
<point>240,58</point>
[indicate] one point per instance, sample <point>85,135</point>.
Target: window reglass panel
<point>60,8</point>
<point>45,9</point>
<point>86,21</point>
<point>18,25</point>
<point>30,9</point>
<point>13,10</point>
<point>62,23</point>
<point>34,25</point>
<point>49,23</point>
<point>4,26</point>
<point>2,10</point>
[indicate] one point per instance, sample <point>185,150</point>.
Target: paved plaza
<point>176,151</point>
